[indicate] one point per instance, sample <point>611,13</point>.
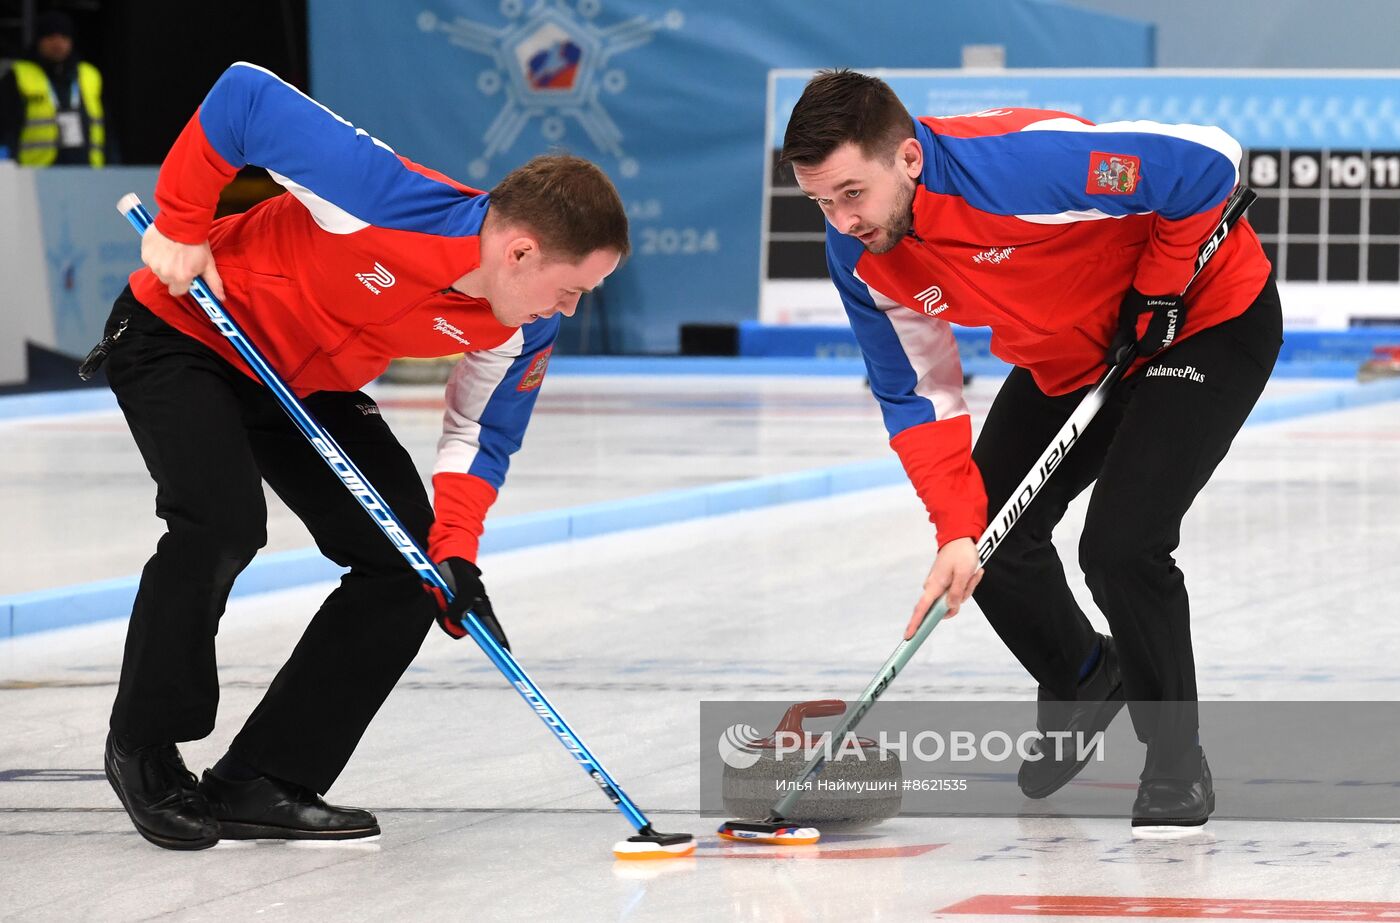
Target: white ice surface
<point>83,504</point>
<point>1290,554</point>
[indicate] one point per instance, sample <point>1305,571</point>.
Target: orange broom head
<point>655,846</point>
<point>777,833</point>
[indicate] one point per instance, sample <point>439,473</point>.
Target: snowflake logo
<point>553,63</point>
<point>65,259</point>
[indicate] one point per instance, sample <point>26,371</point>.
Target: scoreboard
<point>1322,150</point>
<point>1327,215</point>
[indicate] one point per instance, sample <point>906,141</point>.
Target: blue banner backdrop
<point>668,97</point>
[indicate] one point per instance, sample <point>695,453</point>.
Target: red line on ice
<point>1192,908</point>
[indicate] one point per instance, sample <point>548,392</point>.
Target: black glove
<point>464,579</point>
<point>1168,317</point>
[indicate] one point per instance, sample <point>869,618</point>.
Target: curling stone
<point>851,790</point>
<point>1384,363</point>
<point>415,371</point>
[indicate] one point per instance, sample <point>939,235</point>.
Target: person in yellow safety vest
<point>51,104</point>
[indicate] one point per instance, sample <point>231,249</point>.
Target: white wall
<point>26,311</point>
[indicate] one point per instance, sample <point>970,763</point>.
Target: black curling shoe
<point>271,809</point>
<point>160,795</point>
<point>1098,699</point>
<point>1171,808</point>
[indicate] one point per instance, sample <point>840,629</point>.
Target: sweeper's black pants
<point>1151,448</point>
<point>210,436</point>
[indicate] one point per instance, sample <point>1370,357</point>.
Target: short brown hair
<point>567,202</point>
<point>840,106</point>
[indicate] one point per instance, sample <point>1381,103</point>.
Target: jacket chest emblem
<point>378,280</point>
<point>931,299</point>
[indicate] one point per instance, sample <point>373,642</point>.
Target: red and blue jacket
<point>1033,223</point>
<point>350,268</point>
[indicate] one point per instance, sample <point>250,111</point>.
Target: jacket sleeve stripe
<point>932,351</point>
<point>1205,136</point>
<point>253,117</point>
<point>474,381</point>
<point>891,344</point>
<point>330,217</point>
<point>487,412</point>
<point>1041,173</point>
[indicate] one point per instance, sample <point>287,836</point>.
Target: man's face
<point>868,199</point>
<point>55,48</point>
<point>534,286</point>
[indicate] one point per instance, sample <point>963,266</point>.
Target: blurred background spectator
<point>51,109</point>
